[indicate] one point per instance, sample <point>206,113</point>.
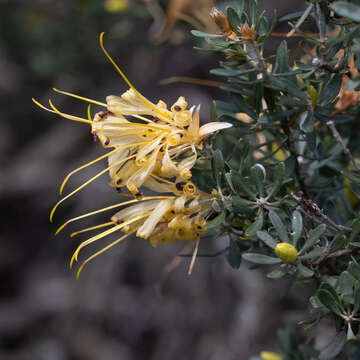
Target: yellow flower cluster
<point>152,147</point>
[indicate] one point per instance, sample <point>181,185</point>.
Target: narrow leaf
<point>297,226</point>
<point>355,230</point>
<point>217,166</point>
<point>328,301</point>
<point>261,259</point>
<point>278,180</point>
<point>346,9</point>
<point>279,226</point>
<point>267,239</point>
<point>313,237</point>
<point>258,176</point>
<point>240,184</point>
<point>234,255</point>
<point>256,225</point>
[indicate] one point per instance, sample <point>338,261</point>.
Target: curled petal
<point>211,127</point>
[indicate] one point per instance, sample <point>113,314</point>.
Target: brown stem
<point>338,138</point>
<point>286,128</point>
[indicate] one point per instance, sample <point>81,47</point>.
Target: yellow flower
<point>286,252</point>
<point>161,219</point>
<point>116,6</point>
<point>158,144</point>
<point>268,355</point>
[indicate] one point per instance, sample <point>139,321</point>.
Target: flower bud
<point>248,33</point>
<point>268,355</point>
<point>286,252</point>
<point>223,23</point>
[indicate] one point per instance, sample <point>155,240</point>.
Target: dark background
<point>113,311</point>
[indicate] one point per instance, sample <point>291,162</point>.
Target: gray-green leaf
<point>267,239</point>
<point>279,226</point>
<point>313,237</point>
<point>261,259</point>
<point>258,176</point>
<point>256,225</point>
<point>297,226</point>
<point>346,9</point>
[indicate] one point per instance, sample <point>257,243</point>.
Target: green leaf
<point>307,121</point>
<point>314,253</point>
<point>334,347</point>
<point>291,16</point>
<point>354,270</point>
<point>253,11</point>
<point>338,243</point>
<point>297,226</point>
<point>279,226</point>
<point>350,334</point>
<point>242,203</point>
<point>356,298</point>
<point>240,185</point>
<point>267,239</point>
<point>230,72</point>
<point>346,9</point>
<point>233,17</point>
<point>331,89</point>
<point>278,180</point>
<point>276,274</point>
<point>261,259</point>
<point>256,225</point>
<point>258,174</point>
<point>346,283</point>
<point>201,34</point>
<point>327,299</point>
<point>313,237</point>
<point>214,223</point>
<point>329,288</point>
<point>218,166</point>
<point>234,255</point>
<point>355,230</point>
<point>304,272</point>
<point>281,63</point>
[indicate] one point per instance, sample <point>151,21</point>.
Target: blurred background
<point>115,310</point>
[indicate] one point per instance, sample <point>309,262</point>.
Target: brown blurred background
<point>113,311</point>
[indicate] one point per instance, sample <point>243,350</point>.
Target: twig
<point>286,128</point>
<point>313,218</point>
<point>301,20</point>
<point>336,254</point>
<point>312,207</point>
<point>338,138</point>
<point>321,23</point>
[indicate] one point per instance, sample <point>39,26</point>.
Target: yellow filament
<point>110,208</point>
<point>87,183</point>
<point>80,97</point>
<point>141,118</point>
<point>162,179</point>
<point>105,233</point>
<point>91,228</point>
<point>130,124</point>
<point>89,113</point>
<point>96,160</point>
<point>193,258</point>
<point>67,116</point>
<point>70,117</point>
<point>101,251</point>
<point>145,101</point>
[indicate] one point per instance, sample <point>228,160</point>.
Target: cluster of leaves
<point>286,173</point>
